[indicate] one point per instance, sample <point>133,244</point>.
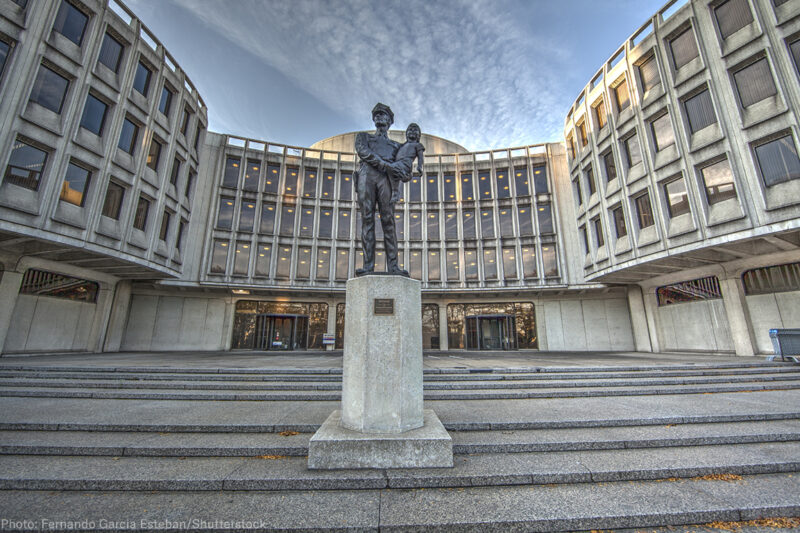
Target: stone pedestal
<point>382,423</point>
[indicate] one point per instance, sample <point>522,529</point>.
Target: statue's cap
<point>385,108</point>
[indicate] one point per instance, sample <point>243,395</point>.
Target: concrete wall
<point>42,323</point>
<point>584,325</point>
<point>694,326</point>
<point>775,310</point>
<point>175,323</point>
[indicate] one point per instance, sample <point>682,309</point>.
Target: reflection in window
<point>290,187</point>
<point>470,265</point>
<point>49,89</point>
<point>272,177</point>
<point>76,182</point>
<point>489,264</point>
<point>287,219</point>
<point>94,114</point>
<point>449,188</point>
<point>778,161</point>
<point>503,187</point>
<point>509,263</point>
<point>415,225</point>
<point>610,166</point>
<point>70,22</point>
<point>506,222</point>
<point>430,326</point>
<point>25,166</point>
<point>451,265</point>
<point>112,205</point>
<point>549,261</point>
<point>415,264</point>
<point>484,185</point>
<point>251,173</point>
<point>529,262</point>
<point>433,225</point>
<point>451,225</point>
<point>154,155</point>
<point>219,257</point>
<point>128,135</point>
<point>524,220</point>
<point>284,262</point>
<point>644,211</point>
<point>521,181</point>
<point>619,222</point>
<point>487,223</point>
<point>247,217</point>
<point>663,134</point>
<point>399,226</point>
<point>141,81</point>
<point>262,260</point>
<point>346,187</point>
<point>718,180</point>
<point>432,188</point>
<point>342,263</point>
<point>323,269</point>
<point>466,187</point>
<point>328,180</point>
<point>343,227</point>
<point>310,183</point>
<point>241,258</point>
<point>142,210</point>
<point>434,269</point>
<point>307,222</point>
<point>468,223</point>
<point>677,197</point>
<point>415,189</point>
<point>267,218</point>
<point>5,50</point>
<point>540,180</point>
<point>165,103</point>
<point>520,315</point>
<point>303,263</point>
<point>231,176</point>
<point>225,213</point>
<point>325,223</point>
<point>545,218</point>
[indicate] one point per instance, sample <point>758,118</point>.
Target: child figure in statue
<point>400,169</point>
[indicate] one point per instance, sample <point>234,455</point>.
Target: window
<point>610,166</point>
<point>5,51</point>
<point>524,220</point>
<point>165,219</point>
<point>778,161</point>
<point>794,48</point>
<point>451,265</point>
<point>584,239</point>
<point>684,48</point>
<point>326,224</point>
<point>154,155</point>
<point>310,183</point>
<point>779,278</point>
<point>544,216</point>
<point>128,135</point>
<point>292,176</point>
<point>449,188</point>
<point>663,134</point>
<point>619,222</point>
<point>219,257</point>
<point>415,265</point>
<point>231,176</point>
<point>398,225</point>
<point>70,22</point>
<point>112,205</point>
<point>186,118</point>
<point>571,146</point>
<point>247,216</point>
<point>166,100</point>
<point>225,213</point>
<point>110,53</point>
<point>732,16</point>
<point>549,261</point>
<point>600,114</point>
<point>284,262</point>
<point>648,74</point>
<point>328,180</point>
<point>644,211</point>
<point>75,185</point>
<point>176,172</point>
<point>484,185</point>
<point>677,197</point>
<point>141,81</point>
<point>142,208</point>
<point>306,222</point>
<point>503,187</point>
<point>529,262</point>
<point>267,218</point>
<point>303,268</point>
<point>323,269</point>
<point>264,254</point>
<point>590,185</point>
<point>415,225</point>
<point>25,166</point>
<point>343,228</point>
<point>754,83</point>
<point>433,225</point>
<point>49,89</point>
<point>576,185</point>
<point>487,223</point>
<point>582,134</point>
<point>197,133</point>
<point>466,187</point>
<point>342,263</point>
<point>470,265</point>
<point>540,180</point>
<point>468,224</point>
<point>346,187</point>
<point>509,263</point>
<point>251,173</point>
<point>598,232</point>
<point>415,189</point>
<point>622,95</point>
<point>451,225</point>
<point>190,183</point>
<point>94,115</point>
<point>489,264</point>
<point>44,283</point>
<point>434,268</point>
<point>271,180</point>
<point>432,188</point>
<point>633,154</point>
<point>181,230</point>
<point>718,180</point>
<point>521,181</point>
<point>689,291</point>
<point>287,220</point>
<point>506,220</point>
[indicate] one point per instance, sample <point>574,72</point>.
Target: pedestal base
<point>333,446</point>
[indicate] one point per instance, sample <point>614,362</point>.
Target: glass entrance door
<point>491,332</point>
<point>281,332</point>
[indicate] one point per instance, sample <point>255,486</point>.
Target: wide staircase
<point>536,449</point>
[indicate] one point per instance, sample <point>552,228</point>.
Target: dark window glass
<point>598,233</point>
<point>487,223</point>
<point>648,73</point>
<point>342,263</point>
<point>778,278</point>
<point>310,183</point>
<point>181,230</point>
<point>550,261</point>
<point>677,197</point>
<point>684,48</point>
<point>506,219</point>
<point>644,211</point>
<point>545,218</point>
<point>663,134</point>
<point>307,222</point>
<point>610,165</point>
<point>176,171</point>
<point>110,52</point>
<point>303,263</point>
<point>576,185</point>
<point>795,49</point>
<point>328,180</point>
<point>70,22</point>
<point>732,16</point>
<point>778,161</point>
<point>267,218</point>
<point>49,89</point>
<point>430,326</point>
<point>262,260</point>
<point>112,205</point>
<point>25,166</point>
<point>718,180</point>
<point>251,173</point>
<point>343,226</point>
<point>779,2</point>
<point>197,133</point>
<point>323,268</point>
<point>619,222</point>
<point>468,223</point>
<point>272,178</point>
<point>600,114</point>
<point>75,185</point>
<point>540,180</point>
<point>433,226</point>
<point>434,267</point>
<point>141,81</point>
<point>128,135</point>
<point>225,213</point>
<point>503,187</point>
<point>21,3</point>
<point>449,188</point>
<point>247,215</point>
<point>399,225</point>
<point>287,220</point>
<point>284,262</point>
<point>325,223</point>
<point>190,183</point>
<point>220,257</point>
<point>231,176</point>
<point>524,220</point>
<point>632,151</point>
<point>509,263</point>
<point>484,185</point>
<point>754,83</point>
<point>489,264</point>
<point>5,51</point>
<point>346,187</point>
<point>415,265</point>
<point>590,185</point>
<point>432,188</point>
<point>529,262</point>
<point>164,232</point>
<point>415,189</point>
<point>622,95</point>
<point>415,225</point>
<point>292,177</point>
<point>689,291</point>
<point>154,155</point>
<point>451,265</point>
<point>451,225</point>
<point>584,239</point>
<point>142,208</point>
<point>94,115</point>
<point>166,100</point>
<point>467,193</point>
<point>186,118</point>
<point>470,264</point>
<point>521,181</point>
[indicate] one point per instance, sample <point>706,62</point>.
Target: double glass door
<point>491,332</point>
<point>281,332</point>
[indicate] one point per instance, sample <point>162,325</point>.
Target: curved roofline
<point>398,130</point>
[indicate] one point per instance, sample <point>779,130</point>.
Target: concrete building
<point>669,220</point>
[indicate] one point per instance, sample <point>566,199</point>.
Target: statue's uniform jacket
<point>373,186</point>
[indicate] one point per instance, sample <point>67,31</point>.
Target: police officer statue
<point>373,186</point>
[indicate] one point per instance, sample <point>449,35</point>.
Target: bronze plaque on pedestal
<point>383,306</point>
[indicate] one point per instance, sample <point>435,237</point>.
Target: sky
<point>482,73</point>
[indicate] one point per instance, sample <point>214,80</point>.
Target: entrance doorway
<point>491,332</point>
<point>281,332</point>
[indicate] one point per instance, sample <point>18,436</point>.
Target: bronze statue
<point>374,186</point>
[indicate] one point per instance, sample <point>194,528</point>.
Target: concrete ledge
<point>333,446</point>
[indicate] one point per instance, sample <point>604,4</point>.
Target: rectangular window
<point>506,219</point>
<point>231,176</point>
<point>142,209</point>
<point>166,100</point>
<point>610,166</point>
<point>44,283</point>
<point>284,262</point>
<point>75,185</point>
<point>451,225</point>
<point>689,291</point>
<point>468,224</point>
<point>128,136</point>
<point>342,263</point>
<point>619,222</point>
<point>451,265</point>
<point>540,180</point>
<point>181,231</point>
<point>272,177</point>
<point>267,219</point>
<point>346,187</point>
<point>677,197</point>
<point>584,239</point>
<point>94,114</point>
<point>571,147</point>
<point>141,81</point>
<point>247,216</point>
<point>292,177</point>
<point>663,134</point>
<point>598,233</point>
<point>433,226</point>
<point>190,183</point>
<point>582,134</point>
<point>323,268</point>
<point>545,218</point>
<point>5,50</point>
<point>487,223</point>
<point>176,171</point>
<point>718,181</point>
<point>154,155</point>
<point>325,223</point>
<point>197,133</point>
<point>449,183</point>
<point>524,220</point>
<point>484,185</point>
<point>70,22</point>
<point>110,53</point>
<point>644,211</point>
<point>432,188</point>
<point>307,222</point>
<point>529,262</point>
<point>415,225</point>
<point>489,264</point>
<point>622,95</point>
<point>328,181</point>
<point>399,225</point>
<point>25,166</point>
<point>549,261</point>
<point>287,219</point>
<point>434,267</point>
<point>303,268</point>
<point>467,193</point>
<point>732,16</point>
<point>576,186</point>
<point>112,205</point>
<point>470,265</point>
<point>220,257</point>
<point>794,48</point>
<point>263,259</point>
<point>251,173</point>
<point>503,183</point>
<point>778,161</point>
<point>684,48</point>
<point>600,114</point>
<point>49,89</point>
<point>754,83</point>
<point>633,152</point>
<point>778,278</point>
<point>186,119</point>
<point>509,263</point>
<point>225,213</point>
<point>415,265</point>
<point>164,231</point>
<point>310,183</point>
<point>648,73</point>
<point>415,189</point>
<point>590,184</point>
<point>343,228</point>
<point>521,181</point>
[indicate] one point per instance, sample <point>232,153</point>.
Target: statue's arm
<point>420,157</point>
<point>367,155</point>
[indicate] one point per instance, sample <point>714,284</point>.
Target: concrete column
<point>738,316</point>
<point>650,307</point>
<point>641,333</point>
<point>227,328</point>
<point>118,317</point>
<point>331,322</point>
<point>443,340</point>
<point>9,290</point>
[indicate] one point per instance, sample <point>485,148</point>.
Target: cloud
<point>463,70</point>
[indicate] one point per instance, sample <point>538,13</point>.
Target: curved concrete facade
<point>434,145</point>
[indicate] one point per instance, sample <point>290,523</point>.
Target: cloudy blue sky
<point>483,73</point>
